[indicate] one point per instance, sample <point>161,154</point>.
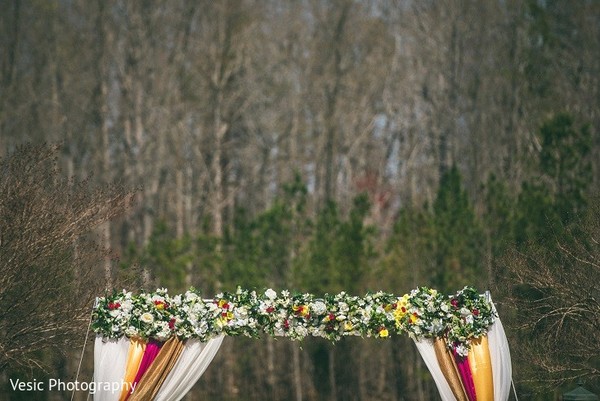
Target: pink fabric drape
<point>150,353</point>
<point>462,363</point>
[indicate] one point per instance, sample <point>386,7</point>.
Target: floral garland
<point>423,313</point>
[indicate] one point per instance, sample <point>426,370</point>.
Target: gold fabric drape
<point>481,368</point>
<point>134,357</point>
<point>449,370</point>
<point>148,386</point>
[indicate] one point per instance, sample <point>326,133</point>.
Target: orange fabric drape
<point>134,357</point>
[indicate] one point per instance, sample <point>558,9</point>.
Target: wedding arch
<point>154,346</point>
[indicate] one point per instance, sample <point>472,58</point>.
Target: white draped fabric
<point>501,364</point>
<point>193,361</point>
<point>110,357</point>
<point>427,352</point>
<point>500,357</point>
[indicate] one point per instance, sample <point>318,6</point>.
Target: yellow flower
<point>401,308</point>
<point>383,333</point>
<point>348,326</point>
<point>301,310</point>
<point>413,318</point>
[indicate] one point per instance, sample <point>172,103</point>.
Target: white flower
<point>462,350</point>
<point>147,318</point>
<point>271,294</point>
<point>157,298</point>
<point>436,325</point>
<point>319,308</point>
<point>127,306</point>
<point>191,296</point>
<point>164,331</point>
<point>131,331</point>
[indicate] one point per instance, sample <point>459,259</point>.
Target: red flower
<point>270,309</point>
<point>475,312</point>
<point>113,305</point>
<point>454,302</point>
<point>331,317</point>
<point>172,323</point>
<point>286,324</point>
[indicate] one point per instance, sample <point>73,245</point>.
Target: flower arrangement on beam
<point>422,313</point>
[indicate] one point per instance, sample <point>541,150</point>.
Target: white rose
<point>147,318</point>
<point>271,294</point>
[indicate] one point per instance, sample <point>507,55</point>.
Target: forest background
<point>316,146</point>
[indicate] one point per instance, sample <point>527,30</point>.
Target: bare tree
<point>555,288</point>
<point>48,276</point>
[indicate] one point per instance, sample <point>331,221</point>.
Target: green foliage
<point>167,257</point>
<point>498,215</point>
<point>549,203</point>
<point>339,250</point>
<point>409,260</point>
<point>565,162</point>
<point>443,247</point>
<point>457,236</point>
<point>259,250</point>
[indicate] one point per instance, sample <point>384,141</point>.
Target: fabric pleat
<point>194,360</point>
<point>449,370</point>
<point>481,369</point>
<point>501,361</point>
<point>150,353</point>
<point>464,370</point>
<point>110,358</point>
<point>427,352</point>
<point>151,382</point>
<point>134,358</point>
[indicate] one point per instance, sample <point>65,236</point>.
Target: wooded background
<point>321,146</point>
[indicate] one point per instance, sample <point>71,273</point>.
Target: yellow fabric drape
<point>481,369</point>
<point>449,370</point>
<point>134,357</point>
<point>148,386</point>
